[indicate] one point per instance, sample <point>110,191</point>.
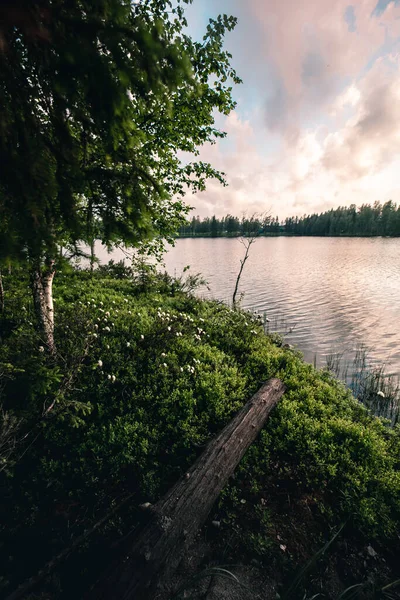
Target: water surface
<point>327,294</point>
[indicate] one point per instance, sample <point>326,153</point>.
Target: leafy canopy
<point>100,99</point>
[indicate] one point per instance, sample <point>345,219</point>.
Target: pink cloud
<point>328,93</point>
<point>371,138</point>
<point>311,50</point>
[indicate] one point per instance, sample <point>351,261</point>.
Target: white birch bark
<point>42,287</point>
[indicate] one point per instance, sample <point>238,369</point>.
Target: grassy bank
<point>144,376</point>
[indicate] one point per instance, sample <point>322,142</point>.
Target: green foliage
<point>98,99</point>
<point>379,219</point>
<point>140,384</point>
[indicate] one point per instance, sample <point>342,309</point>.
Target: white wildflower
<point>165,365</point>
<point>380,394</point>
<point>129,312</point>
<point>181,369</point>
<point>100,363</point>
<point>113,378</point>
<point>128,344</point>
<point>163,354</point>
<point>142,337</point>
<point>125,300</point>
<point>109,376</point>
<point>41,349</point>
<point>169,328</point>
<point>96,326</point>
<point>108,346</point>
<point>107,329</point>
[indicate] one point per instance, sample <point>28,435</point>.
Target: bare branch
<point>247,242</point>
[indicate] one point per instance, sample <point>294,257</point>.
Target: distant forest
<point>367,220</point>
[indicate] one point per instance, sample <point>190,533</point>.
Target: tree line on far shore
<point>367,220</point>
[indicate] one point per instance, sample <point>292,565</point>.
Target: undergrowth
<point>145,374</point>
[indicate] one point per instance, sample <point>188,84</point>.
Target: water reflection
<point>336,293</point>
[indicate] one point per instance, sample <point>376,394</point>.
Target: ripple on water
<point>336,293</point>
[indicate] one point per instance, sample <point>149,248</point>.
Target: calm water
<point>327,294</point>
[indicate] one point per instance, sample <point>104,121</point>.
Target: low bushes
<point>144,375</point>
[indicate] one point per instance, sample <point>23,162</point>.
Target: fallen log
<point>158,549</point>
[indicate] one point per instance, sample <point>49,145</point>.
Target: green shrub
<point>141,382</point>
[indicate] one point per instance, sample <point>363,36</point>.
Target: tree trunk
<point>42,288</point>
<point>92,255</point>
<point>246,244</point>
<point>175,519</point>
<point>1,294</point>
<point>238,279</point>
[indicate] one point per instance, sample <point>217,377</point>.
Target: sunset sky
<point>317,122</point>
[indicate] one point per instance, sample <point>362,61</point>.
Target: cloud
<point>353,163</point>
<point>371,138</point>
<point>318,116</point>
<point>312,50</point>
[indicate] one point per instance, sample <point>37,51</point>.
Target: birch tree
<point>98,98</point>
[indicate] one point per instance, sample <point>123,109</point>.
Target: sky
<point>317,121</point>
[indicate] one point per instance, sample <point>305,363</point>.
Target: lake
<point>328,295</point>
